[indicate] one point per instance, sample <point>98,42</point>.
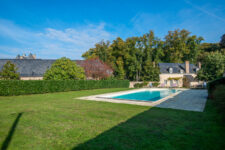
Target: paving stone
<point>192,100</point>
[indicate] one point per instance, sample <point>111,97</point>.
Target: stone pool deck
<point>192,100</point>
<point>185,99</point>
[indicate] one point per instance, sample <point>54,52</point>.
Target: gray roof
<point>31,67</point>
<point>164,67</point>
<point>37,67</point>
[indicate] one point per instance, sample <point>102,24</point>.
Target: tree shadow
<point>11,132</point>
<point>147,130</point>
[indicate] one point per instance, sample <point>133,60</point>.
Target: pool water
<point>146,95</point>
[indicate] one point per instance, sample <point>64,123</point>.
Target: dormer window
<point>170,70</point>
<point>181,71</point>
<point>197,69</point>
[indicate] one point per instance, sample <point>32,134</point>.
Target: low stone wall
<point>132,83</point>
<point>196,84</point>
<point>31,78</point>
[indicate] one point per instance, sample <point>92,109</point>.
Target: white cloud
<point>197,22</point>
<point>205,11</point>
<point>52,43</point>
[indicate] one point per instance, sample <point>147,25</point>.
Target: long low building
<point>34,69</point>
<point>171,74</point>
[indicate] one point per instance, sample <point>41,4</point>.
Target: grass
<point>58,121</point>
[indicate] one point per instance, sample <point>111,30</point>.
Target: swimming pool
<point>147,95</point>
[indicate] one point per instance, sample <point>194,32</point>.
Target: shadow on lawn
<point>156,128</point>
<point>146,130</point>
<point>11,132</point>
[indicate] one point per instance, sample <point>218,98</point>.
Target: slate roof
<point>164,67</point>
<point>35,67</point>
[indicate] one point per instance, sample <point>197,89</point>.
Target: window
<point>177,83</point>
<point>197,69</point>
<point>181,71</point>
<point>170,70</point>
<point>165,82</point>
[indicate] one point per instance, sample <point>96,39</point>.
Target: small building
<point>179,74</point>
<point>34,69</point>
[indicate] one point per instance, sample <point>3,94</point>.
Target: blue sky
<point>53,29</point>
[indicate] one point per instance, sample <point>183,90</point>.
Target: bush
<point>9,72</point>
<point>216,93</point>
<point>211,86</point>
<point>155,84</point>
<point>140,85</point>
<point>20,87</point>
<point>219,98</point>
<point>64,69</point>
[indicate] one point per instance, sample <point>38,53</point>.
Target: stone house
<point>178,74</point>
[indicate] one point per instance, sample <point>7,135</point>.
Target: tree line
<point>136,57</point>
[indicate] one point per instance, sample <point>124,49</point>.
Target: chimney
<point>34,56</point>
<point>187,66</point>
<point>199,65</point>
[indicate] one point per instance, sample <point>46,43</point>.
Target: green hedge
<point>211,86</point>
<point>20,87</point>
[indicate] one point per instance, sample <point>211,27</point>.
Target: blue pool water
<point>146,95</point>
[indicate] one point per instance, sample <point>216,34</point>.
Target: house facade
<point>178,74</point>
<point>34,69</point>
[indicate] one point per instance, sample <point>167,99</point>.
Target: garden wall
<point>21,87</point>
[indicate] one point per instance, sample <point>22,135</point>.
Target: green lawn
<point>58,121</point>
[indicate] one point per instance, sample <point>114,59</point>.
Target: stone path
<point>192,100</point>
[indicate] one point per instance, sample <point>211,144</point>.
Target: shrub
<point>140,85</point>
<point>21,87</point>
<point>216,93</point>
<point>211,86</point>
<point>9,72</point>
<point>219,98</point>
<point>155,84</point>
<point>137,85</point>
<point>64,69</point>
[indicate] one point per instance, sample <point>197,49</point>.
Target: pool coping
<point>106,97</point>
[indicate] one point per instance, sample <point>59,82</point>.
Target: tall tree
<point>222,41</point>
<point>96,69</point>
<point>158,52</point>
<point>132,65</point>
<point>133,58</point>
<point>148,41</point>
<point>213,66</point>
<point>209,47</point>
<point>180,46</point>
<point>118,51</point>
<point>100,51</point>
<point>193,46</point>
<point>9,72</point>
